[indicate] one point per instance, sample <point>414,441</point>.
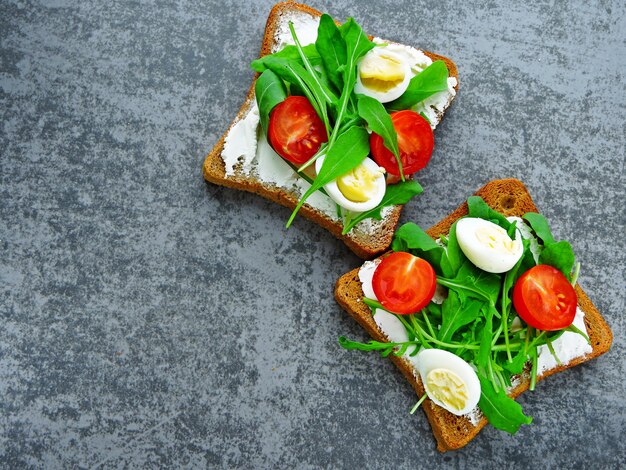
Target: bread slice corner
<point>511,198</point>
<point>365,244</point>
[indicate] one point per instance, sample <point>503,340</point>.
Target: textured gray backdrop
<point>149,319</point>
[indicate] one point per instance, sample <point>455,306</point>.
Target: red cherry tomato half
<point>415,142</point>
<point>404,283</point>
<point>295,130</point>
<point>545,299</point>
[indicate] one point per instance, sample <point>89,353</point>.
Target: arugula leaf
<point>559,255</point>
<point>379,121</point>
<point>454,254</point>
<point>501,410</point>
<point>539,224</point>
<point>349,150</point>
<point>509,280</point>
<point>269,91</point>
<point>512,231</point>
<point>400,193</point>
<point>320,91</point>
<point>435,311</point>
<point>483,359</point>
<point>398,349</point>
<point>433,79</point>
<point>478,283</point>
<point>455,314</point>
<point>357,42</point>
<point>294,73</point>
<point>479,208</point>
<point>357,45</point>
<point>332,49</point>
<point>516,366</point>
<point>290,53</point>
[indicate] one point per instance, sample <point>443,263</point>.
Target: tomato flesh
<point>404,283</point>
<point>545,299</point>
<point>295,130</point>
<point>415,142</point>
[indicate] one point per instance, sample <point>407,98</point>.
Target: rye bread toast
<point>364,243</point>
<point>511,198</point>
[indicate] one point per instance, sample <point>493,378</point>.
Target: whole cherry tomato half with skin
<point>295,130</point>
<point>415,142</point>
<point>545,299</point>
<point>404,283</point>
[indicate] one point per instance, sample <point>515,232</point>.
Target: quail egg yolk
<point>447,387</point>
<point>359,184</point>
<point>497,240</point>
<point>381,73</point>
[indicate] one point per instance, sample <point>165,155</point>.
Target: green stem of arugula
<point>322,151</point>
<point>339,211</point>
<point>422,334</point>
<point>309,68</point>
<point>347,218</point>
<point>430,327</point>
<point>417,342</point>
<point>501,380</point>
<point>574,329</point>
<point>505,323</point>
<point>496,335</point>
<point>551,349</point>
<point>492,376</point>
<point>417,405</point>
<point>450,283</point>
<point>533,370</point>
<point>343,103</point>
<point>415,329</point>
<point>348,124</point>
<point>305,177</point>
<point>418,331</point>
<point>529,331</point>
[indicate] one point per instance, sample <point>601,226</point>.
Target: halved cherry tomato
<point>404,283</point>
<point>545,299</point>
<point>295,130</point>
<point>415,142</point>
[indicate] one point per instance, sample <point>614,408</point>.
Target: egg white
<point>393,93</point>
<point>429,359</point>
<point>484,257</point>
<point>336,195</point>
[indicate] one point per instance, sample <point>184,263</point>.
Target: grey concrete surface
<point>151,320</point>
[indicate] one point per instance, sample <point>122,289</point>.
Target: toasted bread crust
<point>511,198</point>
<point>364,246</point>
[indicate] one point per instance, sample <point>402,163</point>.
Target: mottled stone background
<point>149,319</point>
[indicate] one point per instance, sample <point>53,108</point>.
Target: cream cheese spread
<point>305,26</point>
<point>240,144</point>
<point>567,347</point>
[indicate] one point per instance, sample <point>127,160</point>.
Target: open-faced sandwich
<point>335,124</point>
<point>476,310</point>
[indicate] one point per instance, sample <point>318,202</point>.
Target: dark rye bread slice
<point>362,243</point>
<point>510,197</point>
